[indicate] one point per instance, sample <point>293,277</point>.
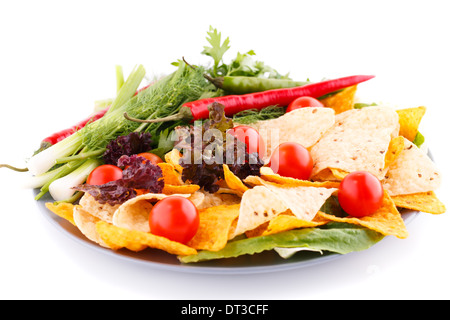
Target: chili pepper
<point>143,88</point>
<point>243,85</point>
<point>61,135</point>
<point>198,109</point>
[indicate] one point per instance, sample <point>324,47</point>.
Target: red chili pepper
<point>281,97</point>
<point>61,135</point>
<point>197,110</point>
<point>143,88</point>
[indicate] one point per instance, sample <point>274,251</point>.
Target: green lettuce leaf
<point>419,139</point>
<point>340,238</point>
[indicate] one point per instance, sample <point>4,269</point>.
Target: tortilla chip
<point>134,213</point>
<point>214,227</point>
<point>170,174</point>
<point>424,201</point>
<point>258,206</point>
<point>304,202</point>
<point>386,220</point>
<point>409,120</point>
<point>338,174</point>
<point>267,200</point>
<point>341,101</point>
<point>325,175</point>
<point>63,210</point>
<point>217,199</point>
<point>396,146</point>
<point>86,224</point>
<point>197,198</point>
<point>267,175</point>
<point>304,126</point>
<point>284,222</point>
<point>183,189</point>
<point>233,181</point>
<point>173,157</point>
<point>104,211</point>
<point>117,238</point>
<point>411,172</point>
<point>357,142</point>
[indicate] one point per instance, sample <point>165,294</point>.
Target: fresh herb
<point>203,160</point>
<point>217,49</point>
<point>242,65</point>
<point>165,143</point>
<point>360,105</point>
<point>419,140</point>
<point>139,173</point>
<point>254,115</point>
<point>132,143</point>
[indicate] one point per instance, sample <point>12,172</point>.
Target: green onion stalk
<point>70,161</point>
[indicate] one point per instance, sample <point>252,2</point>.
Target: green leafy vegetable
<point>419,139</point>
<point>242,65</point>
<point>360,105</point>
<point>254,115</point>
<point>202,162</point>
<point>165,143</point>
<point>339,238</point>
<point>217,49</point>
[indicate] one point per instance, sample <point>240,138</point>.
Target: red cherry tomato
<point>303,102</point>
<point>153,158</point>
<point>104,174</point>
<point>360,194</point>
<point>291,159</point>
<point>251,137</point>
<point>175,218</point>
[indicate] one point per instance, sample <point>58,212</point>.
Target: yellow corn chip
<point>396,146</point>
<point>386,220</point>
<point>324,175</point>
<point>233,181</point>
<point>63,210</point>
<point>116,238</point>
<point>183,189</point>
<point>268,175</point>
<point>86,224</point>
<point>284,222</point>
<point>409,120</point>
<point>215,225</point>
<point>424,201</point>
<point>339,174</point>
<point>173,157</point>
<point>170,175</point>
<point>341,101</point>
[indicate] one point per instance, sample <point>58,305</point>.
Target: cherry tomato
<point>291,159</point>
<point>104,174</point>
<point>251,137</point>
<point>175,218</point>
<point>153,158</point>
<point>303,102</point>
<point>360,194</point>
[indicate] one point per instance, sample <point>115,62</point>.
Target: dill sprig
<point>162,99</point>
<point>253,115</point>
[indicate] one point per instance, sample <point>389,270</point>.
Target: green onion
<point>62,188</point>
<point>119,78</point>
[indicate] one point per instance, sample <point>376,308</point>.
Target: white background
<point>57,57</point>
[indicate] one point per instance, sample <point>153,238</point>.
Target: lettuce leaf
<point>340,238</point>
